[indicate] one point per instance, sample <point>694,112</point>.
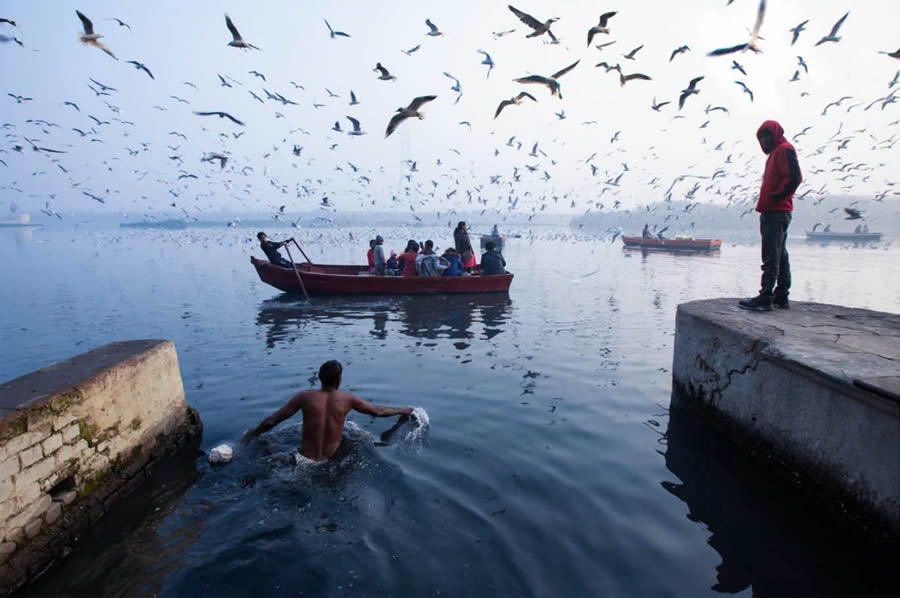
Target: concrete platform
<point>817,386</point>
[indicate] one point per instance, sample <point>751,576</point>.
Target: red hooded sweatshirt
<point>782,175</point>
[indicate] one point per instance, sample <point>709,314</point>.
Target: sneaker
<point>781,302</point>
<point>758,303</point>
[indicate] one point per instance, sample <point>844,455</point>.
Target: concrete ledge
<point>77,436</point>
<point>812,389</point>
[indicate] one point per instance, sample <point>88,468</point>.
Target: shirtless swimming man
<point>324,412</point>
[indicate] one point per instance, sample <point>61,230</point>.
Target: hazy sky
<point>186,42</point>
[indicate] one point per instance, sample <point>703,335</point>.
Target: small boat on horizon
<point>320,279</point>
<point>842,236</point>
<point>679,244</point>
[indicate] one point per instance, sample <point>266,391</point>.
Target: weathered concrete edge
<point>121,479</point>
<point>872,522</point>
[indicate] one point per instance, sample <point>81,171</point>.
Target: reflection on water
<point>424,317</point>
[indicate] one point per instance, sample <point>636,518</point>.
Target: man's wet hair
<point>489,245</point>
<point>330,373</point>
<point>260,235</point>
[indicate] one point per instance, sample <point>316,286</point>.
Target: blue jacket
<point>456,266</point>
<point>492,264</point>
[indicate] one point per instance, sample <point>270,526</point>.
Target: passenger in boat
<point>407,259</point>
<point>827,228</point>
<point>865,228</point>
<point>370,256</point>
<point>495,232</point>
<point>492,262</point>
<point>324,413</point>
<point>454,262</point>
<point>775,205</point>
<point>428,263</point>
<point>646,234</point>
<point>379,255</point>
<point>858,228</point>
<point>392,266</point>
<point>464,245</point>
<point>270,248</point>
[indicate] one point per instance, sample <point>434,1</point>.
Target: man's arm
<point>796,177</point>
<point>375,411</point>
<point>289,409</point>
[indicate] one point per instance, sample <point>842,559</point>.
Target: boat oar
<point>299,279</point>
<point>301,251</point>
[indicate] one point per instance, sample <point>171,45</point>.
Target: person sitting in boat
<point>454,262</point>
<point>428,263</point>
<point>495,232</point>
<point>379,255</point>
<point>858,228</point>
<point>492,262</point>
<point>270,248</point>
<point>324,413</point>
<point>392,266</point>
<point>865,228</point>
<point>827,228</point>
<point>407,259</point>
<point>646,234</point>
<point>370,256</point>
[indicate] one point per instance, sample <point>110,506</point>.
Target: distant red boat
<point>356,280</point>
<point>677,244</point>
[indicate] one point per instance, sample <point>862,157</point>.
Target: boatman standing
<point>775,204</point>
<point>270,248</point>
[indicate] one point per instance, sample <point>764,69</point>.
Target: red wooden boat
<point>356,280</point>
<point>678,244</point>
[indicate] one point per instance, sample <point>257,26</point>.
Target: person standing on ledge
<point>775,204</point>
<point>324,412</point>
<point>270,248</point>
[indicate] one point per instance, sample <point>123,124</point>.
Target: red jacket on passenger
<point>782,175</point>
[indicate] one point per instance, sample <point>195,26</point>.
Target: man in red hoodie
<point>775,204</point>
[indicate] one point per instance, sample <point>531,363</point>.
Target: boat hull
<point>831,236</point>
<point>356,280</point>
<point>673,244</point>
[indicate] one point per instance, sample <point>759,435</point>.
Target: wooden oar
<point>301,251</point>
<point>299,279</point>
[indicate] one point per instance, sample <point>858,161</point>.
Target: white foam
<point>420,425</point>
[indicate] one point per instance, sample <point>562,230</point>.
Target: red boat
<point>356,280</point>
<point>678,244</point>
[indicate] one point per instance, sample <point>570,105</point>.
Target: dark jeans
<point>773,227</point>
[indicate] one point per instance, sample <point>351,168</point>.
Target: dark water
<point>551,465</point>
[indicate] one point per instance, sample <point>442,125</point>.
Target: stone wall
<point>813,388</point>
<point>75,437</point>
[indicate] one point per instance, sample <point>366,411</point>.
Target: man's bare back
<point>324,414</point>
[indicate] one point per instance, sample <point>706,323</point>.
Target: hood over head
<point>775,129</point>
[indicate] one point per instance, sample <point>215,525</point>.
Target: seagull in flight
<point>833,35</point>
<point>220,115</point>
<point>551,81</point>
<point>356,130</point>
<point>89,37</point>
<point>891,54</point>
<point>353,100</point>
<point>434,31</point>
<point>631,55</point>
<point>514,101</point>
<point>796,31</point>
<point>854,214</point>
<point>736,66</point>
<point>237,41</point>
<point>411,50</point>
<point>677,51</point>
<point>487,60</point>
<point>656,106</point>
<point>334,33</point>
<point>141,67</point>
<point>409,112</point>
<point>600,27</point>
<point>745,88</point>
<point>538,27</point>
<point>689,91</point>
<point>623,79</point>
<point>121,23</point>
<point>751,45</point>
<point>385,75</point>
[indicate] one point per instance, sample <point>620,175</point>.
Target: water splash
<point>421,423</point>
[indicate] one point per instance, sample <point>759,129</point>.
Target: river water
<point>550,465</point>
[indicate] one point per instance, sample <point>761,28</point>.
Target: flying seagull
<point>735,65</point>
<point>141,67</point>
<point>334,33</point>
<point>237,41</point>
<point>689,91</point>
<point>434,30</point>
<point>89,37</point>
<point>751,45</point>
<point>677,51</point>
<point>631,55</point>
<point>833,36</point>
<point>121,23</point>
<point>411,50</point>
<point>854,214</point>
<point>551,81</point>
<point>487,60</point>
<point>410,111</point>
<point>356,130</point>
<point>385,75</point>
<point>353,100</point>
<point>891,54</point>
<point>623,79</point>
<point>796,31</point>
<point>7,21</point>
<point>656,106</point>
<point>601,46</point>
<point>745,88</point>
<point>538,27</point>
<point>516,100</point>
<point>600,27</point>
<point>220,115</point>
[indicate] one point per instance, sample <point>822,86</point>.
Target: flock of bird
<point>448,195</point>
